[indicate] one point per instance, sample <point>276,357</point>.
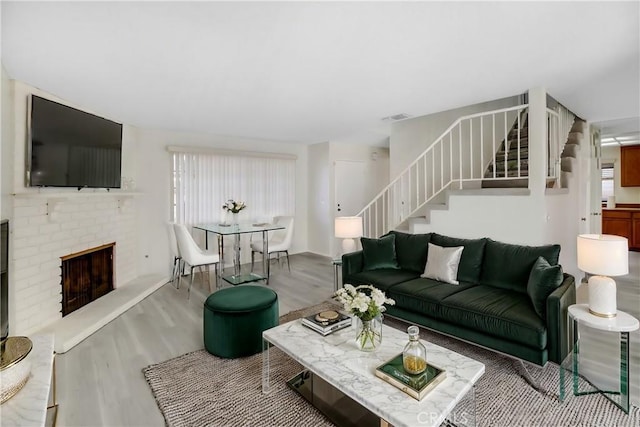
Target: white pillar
<point>537,141</point>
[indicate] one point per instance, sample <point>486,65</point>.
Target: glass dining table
<point>236,230</point>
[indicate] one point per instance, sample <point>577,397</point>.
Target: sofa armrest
<point>352,263</point>
<point>557,327</point>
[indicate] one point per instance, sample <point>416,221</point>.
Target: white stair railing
<point>559,122</point>
<point>461,154</point>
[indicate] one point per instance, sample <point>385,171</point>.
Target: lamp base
<point>602,296</point>
<point>348,245</point>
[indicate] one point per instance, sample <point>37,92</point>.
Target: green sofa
<point>494,305</point>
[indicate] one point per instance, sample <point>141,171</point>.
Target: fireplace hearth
<point>86,276</point>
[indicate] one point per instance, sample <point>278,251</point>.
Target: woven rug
<point>198,389</point>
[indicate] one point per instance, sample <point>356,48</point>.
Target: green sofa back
<point>508,266</point>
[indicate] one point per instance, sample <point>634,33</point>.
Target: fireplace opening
<point>86,276</point>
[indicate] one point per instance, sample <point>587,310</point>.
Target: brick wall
<point>45,228</point>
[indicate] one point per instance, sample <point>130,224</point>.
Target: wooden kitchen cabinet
<point>623,222</point>
<point>630,166</point>
<point>635,231</point>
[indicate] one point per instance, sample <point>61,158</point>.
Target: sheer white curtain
<point>203,181</point>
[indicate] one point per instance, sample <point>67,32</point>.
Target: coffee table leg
<point>464,414</point>
<point>266,385</point>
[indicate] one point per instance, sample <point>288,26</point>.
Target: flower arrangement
<point>364,305</point>
<point>367,304</point>
<point>233,206</point>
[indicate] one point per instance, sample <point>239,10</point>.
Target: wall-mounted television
<point>67,147</point>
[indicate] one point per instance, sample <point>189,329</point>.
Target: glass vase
<point>369,333</point>
<point>235,218</point>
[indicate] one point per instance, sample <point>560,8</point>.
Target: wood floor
<point>100,381</point>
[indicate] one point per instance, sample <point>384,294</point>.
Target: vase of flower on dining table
<point>366,304</point>
<point>233,208</point>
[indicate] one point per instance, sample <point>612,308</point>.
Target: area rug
<point>198,389</point>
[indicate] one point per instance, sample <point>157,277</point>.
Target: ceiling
<point>312,72</point>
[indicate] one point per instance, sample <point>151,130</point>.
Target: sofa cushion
<point>423,295</point>
<point>379,253</point>
<point>471,260</point>
<point>498,312</point>
<point>508,266</point>
<point>382,278</point>
<point>543,280</point>
<point>442,264</point>
<point>411,250</point>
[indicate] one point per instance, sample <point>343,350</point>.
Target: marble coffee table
<point>338,362</point>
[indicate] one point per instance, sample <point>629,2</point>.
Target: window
<point>203,181</point>
<point>607,181</point>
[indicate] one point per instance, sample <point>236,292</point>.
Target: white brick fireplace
<point>46,226</point>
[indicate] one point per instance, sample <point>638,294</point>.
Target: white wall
<point>622,194</point>
<point>7,148</point>
<point>319,199</point>
<point>153,181</point>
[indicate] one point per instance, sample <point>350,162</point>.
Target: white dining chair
<point>177,259</point>
<point>278,242</point>
<point>193,255</point>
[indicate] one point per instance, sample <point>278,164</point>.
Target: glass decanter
<point>414,355</point>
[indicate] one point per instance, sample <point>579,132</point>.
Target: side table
<point>30,405</point>
<point>337,265</point>
<point>623,323</point>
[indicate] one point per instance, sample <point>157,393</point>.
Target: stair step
<point>511,164</point>
<point>510,173</point>
<point>575,138</point>
<point>513,143</point>
<point>564,179</point>
<point>513,154</point>
<point>513,133</point>
<point>570,150</point>
<point>506,183</point>
<point>566,164</point>
<point>579,125</point>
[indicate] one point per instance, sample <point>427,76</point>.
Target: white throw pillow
<point>442,264</point>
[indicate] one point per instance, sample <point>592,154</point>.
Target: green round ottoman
<point>234,319</point>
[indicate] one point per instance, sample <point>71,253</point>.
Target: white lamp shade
<point>348,227</point>
<point>603,254</point>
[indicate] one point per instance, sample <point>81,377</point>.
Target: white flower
<point>364,305</point>
<point>360,303</point>
<point>233,206</point>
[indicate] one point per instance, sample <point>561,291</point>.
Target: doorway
<point>350,189</point>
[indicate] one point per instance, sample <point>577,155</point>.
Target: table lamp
<point>603,255</point>
<point>348,228</point>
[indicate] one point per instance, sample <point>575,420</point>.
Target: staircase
<point>484,150</point>
<point>512,158</point>
<point>570,151</point>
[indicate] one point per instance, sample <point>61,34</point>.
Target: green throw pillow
<point>379,253</point>
<point>543,280</point>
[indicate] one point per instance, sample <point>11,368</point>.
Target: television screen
<point>72,148</point>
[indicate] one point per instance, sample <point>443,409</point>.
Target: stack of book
<point>416,386</point>
<point>327,322</point>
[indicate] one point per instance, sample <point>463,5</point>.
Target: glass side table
<point>337,265</point>
<point>623,323</point>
